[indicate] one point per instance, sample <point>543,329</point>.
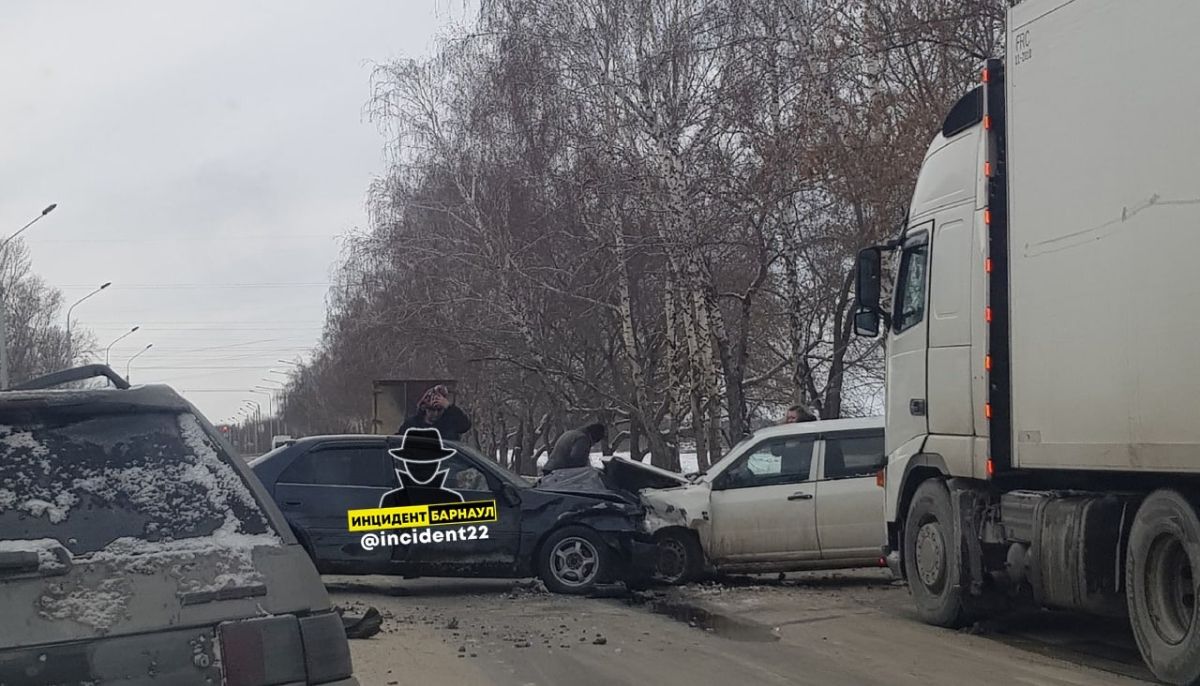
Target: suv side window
<point>340,467</point>
<point>910,295</point>
<point>782,460</point>
<point>854,455</point>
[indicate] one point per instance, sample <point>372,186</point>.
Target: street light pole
<point>4,308</point>
<point>270,410</point>
<point>139,354</point>
<point>110,345</point>
<point>256,420</point>
<point>280,396</point>
<point>102,287</point>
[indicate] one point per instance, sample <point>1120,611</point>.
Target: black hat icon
<point>418,470</point>
<point>422,445</point>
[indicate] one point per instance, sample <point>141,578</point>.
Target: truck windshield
<point>86,482</point>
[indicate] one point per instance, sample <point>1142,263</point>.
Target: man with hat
<point>436,410</point>
<point>418,463</point>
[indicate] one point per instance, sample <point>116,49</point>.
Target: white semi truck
<point>1043,339</point>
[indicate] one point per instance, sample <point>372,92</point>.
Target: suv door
<point>319,487</point>
<point>849,502</point>
<point>762,505</point>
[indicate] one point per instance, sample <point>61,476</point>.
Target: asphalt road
<point>826,629</point>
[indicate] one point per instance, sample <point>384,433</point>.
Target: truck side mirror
<point>866,323</point>
<point>868,276</point>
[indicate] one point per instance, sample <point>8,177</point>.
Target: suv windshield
<point>89,481</point>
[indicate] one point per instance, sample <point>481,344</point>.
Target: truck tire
<point>1162,568</point>
<point>933,557</point>
<point>573,560</point>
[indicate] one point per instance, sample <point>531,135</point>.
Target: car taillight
<point>326,652</point>
<point>262,652</point>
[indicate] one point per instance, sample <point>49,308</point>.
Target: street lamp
<point>255,420</point>
<point>3,308</point>
<point>270,407</point>
<point>110,345</point>
<point>139,354</point>
<point>102,287</point>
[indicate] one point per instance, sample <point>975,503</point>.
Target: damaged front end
<point>582,496</point>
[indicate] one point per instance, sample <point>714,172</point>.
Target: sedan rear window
<point>88,481</point>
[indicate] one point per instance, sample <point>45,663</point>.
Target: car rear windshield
<point>88,481</point>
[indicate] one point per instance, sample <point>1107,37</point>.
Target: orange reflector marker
<point>987,314</point>
<point>987,265</point>
<point>881,477</point>
<point>987,362</point>
<point>991,467</point>
<point>987,216</point>
<point>987,410</point>
<point>987,168</point>
<point>987,121</point>
<point>986,77</point>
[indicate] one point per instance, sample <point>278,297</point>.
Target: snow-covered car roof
<point>149,397</point>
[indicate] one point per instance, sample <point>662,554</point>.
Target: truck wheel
<point>680,558</point>
<point>932,558</point>
<point>1161,570</point>
<point>573,560</point>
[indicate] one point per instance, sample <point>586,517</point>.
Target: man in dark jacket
<point>436,411</point>
<point>571,450</point>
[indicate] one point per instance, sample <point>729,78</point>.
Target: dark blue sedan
<point>572,540</point>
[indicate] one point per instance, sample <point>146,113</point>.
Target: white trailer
<point>1043,343</point>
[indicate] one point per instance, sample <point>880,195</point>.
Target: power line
<point>185,286</point>
<point>177,239</point>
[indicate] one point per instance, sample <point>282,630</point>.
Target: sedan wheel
<point>573,560</point>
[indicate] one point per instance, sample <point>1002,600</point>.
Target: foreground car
<point>135,549</point>
<point>572,541</point>
<point>791,497</point>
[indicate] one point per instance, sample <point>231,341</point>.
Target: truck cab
<point>937,394</point>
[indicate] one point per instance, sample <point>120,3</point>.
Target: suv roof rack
<point>65,376</point>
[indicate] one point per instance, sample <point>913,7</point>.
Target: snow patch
<point>98,607</point>
<point>21,440</point>
<point>44,547</point>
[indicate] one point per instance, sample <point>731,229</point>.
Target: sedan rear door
<point>849,503</point>
<point>319,487</point>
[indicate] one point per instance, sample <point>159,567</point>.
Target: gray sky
<point>205,157</point>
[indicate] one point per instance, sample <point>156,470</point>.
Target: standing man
<point>797,413</point>
<point>571,450</point>
<point>437,411</point>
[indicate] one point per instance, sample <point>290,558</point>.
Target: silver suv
<point>135,549</point>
